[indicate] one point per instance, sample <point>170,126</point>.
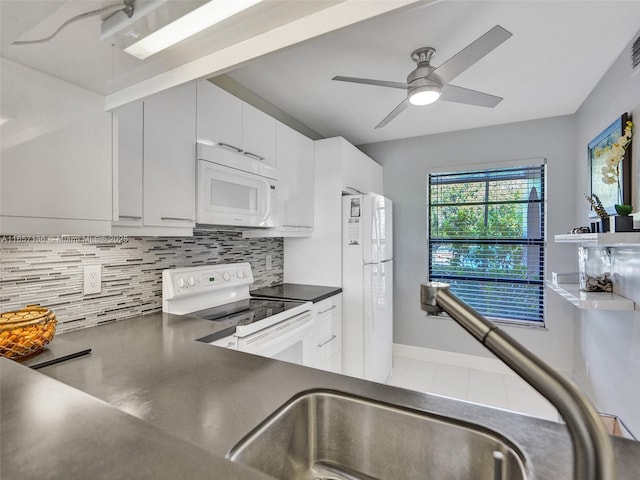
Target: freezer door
<point>378,321</point>
<point>377,229</point>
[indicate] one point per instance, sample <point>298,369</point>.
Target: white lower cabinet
<point>324,344</point>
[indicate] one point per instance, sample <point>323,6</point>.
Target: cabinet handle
<point>177,219</point>
<point>253,155</point>
<point>333,337</point>
<point>130,217</point>
<point>328,309</point>
<point>226,145</point>
<point>297,226</point>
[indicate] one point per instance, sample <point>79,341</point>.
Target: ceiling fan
<point>426,84</point>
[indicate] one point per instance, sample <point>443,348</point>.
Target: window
<point>486,239</point>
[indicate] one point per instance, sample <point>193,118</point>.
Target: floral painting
<point>610,164</point>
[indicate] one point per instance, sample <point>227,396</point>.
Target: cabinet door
<point>258,135</point>
<point>56,158</point>
<point>334,364</point>
<point>219,118</point>
<point>295,164</point>
<point>129,148</point>
<point>169,157</point>
<point>360,171</point>
<point>325,342</point>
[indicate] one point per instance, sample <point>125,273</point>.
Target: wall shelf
<point>600,239</point>
<point>591,300</point>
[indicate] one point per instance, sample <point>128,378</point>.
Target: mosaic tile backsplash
<point>49,271</point>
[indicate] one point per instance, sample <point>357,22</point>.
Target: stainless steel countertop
<point>152,368</point>
<point>52,431</point>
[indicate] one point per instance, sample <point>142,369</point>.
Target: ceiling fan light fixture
<point>425,95</point>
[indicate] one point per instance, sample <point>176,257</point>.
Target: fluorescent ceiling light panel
<point>193,22</point>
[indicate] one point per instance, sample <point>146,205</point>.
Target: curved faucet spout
<point>593,453</point>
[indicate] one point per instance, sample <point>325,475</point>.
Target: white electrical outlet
<point>268,262</point>
<point>92,279</point>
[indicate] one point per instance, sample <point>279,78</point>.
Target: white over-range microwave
<point>233,189</point>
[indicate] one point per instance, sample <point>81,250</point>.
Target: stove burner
<point>245,312</point>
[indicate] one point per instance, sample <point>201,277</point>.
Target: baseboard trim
<point>463,360</point>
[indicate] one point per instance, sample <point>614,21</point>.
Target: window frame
<point>523,163</point>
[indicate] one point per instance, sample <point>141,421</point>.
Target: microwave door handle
<point>268,208</point>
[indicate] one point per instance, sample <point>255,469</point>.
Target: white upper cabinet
<point>229,122</point>
<point>219,117</point>
<point>169,158</point>
<point>258,135</point>
<point>295,163</point>
<point>155,162</point>
<point>128,145</point>
<point>56,148</point>
<point>339,167</point>
<point>359,172</point>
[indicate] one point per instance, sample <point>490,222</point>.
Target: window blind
<point>486,239</point>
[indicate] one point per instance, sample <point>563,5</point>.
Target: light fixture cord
<point>127,7</point>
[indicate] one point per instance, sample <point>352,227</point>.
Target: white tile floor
<point>507,392</point>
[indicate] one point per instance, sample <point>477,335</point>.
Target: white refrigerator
<point>367,286</point>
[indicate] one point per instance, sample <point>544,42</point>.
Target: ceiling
<point>78,55</point>
<point>558,53</point>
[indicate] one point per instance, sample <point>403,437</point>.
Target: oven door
<point>282,341</point>
<point>229,196</point>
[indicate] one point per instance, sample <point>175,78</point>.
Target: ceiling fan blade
<point>394,113</point>
<point>369,81</point>
<point>471,54</point>
<point>451,93</point>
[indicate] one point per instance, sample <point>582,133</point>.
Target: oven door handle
<point>278,331</point>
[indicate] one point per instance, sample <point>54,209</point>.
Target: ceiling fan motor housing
<point>423,86</point>
<point>420,80</point>
<point>422,76</point>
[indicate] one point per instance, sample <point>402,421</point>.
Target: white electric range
<point>220,293</point>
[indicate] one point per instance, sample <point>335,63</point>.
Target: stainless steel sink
<point>320,435</point>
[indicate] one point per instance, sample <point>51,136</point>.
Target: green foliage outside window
<point>486,239</point>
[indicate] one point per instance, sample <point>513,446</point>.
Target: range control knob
<point>181,282</point>
<point>246,274</point>
<point>191,281</point>
<point>226,276</point>
<point>238,274</point>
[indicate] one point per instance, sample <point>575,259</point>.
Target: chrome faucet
<point>592,450</point>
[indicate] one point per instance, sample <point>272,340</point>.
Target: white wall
<point>405,165</point>
<point>610,341</point>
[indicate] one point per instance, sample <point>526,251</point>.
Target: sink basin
<point>322,435</point>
